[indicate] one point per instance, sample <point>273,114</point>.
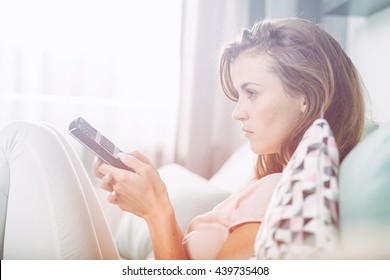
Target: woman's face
<point>265,110</point>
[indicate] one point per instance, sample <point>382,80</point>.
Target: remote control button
<point>107,144</point>
<point>87,129</point>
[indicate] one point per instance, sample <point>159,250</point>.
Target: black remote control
<point>94,141</point>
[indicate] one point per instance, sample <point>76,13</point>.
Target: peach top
<point>207,233</point>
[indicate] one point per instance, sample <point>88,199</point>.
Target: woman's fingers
<point>132,191</point>
<point>139,164</point>
<point>113,197</point>
<point>95,168</point>
<point>106,182</point>
<point>140,157</point>
<point>135,160</point>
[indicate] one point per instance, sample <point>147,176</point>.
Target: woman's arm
<point>239,244</point>
<point>166,237</point>
<point>144,194</point>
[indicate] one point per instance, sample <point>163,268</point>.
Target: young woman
<point>283,74</point>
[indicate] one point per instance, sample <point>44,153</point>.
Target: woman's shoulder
<point>269,181</point>
<point>258,189</point>
<point>253,190</point>
<point>253,200</point>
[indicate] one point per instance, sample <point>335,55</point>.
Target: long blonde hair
<point>309,62</point>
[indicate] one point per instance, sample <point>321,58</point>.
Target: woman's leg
<point>102,229</point>
<point>45,213</point>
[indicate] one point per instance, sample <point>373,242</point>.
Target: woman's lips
<point>247,132</point>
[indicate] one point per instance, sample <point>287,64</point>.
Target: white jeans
<point>49,209</point>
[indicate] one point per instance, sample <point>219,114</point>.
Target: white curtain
<point>114,62</point>
<point>121,65</point>
<point>207,134</point>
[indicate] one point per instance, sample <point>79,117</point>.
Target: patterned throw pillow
<point>301,221</point>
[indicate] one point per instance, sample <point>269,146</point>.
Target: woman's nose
<point>239,112</point>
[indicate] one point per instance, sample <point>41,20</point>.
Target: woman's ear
<point>303,104</point>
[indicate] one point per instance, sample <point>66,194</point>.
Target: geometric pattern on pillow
<point>301,221</point>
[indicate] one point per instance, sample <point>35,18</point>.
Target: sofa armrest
<point>365,196</point>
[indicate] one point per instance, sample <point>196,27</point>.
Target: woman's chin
<point>255,149</point>
<point>260,150</point>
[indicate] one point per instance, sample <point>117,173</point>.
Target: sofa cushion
<point>237,170</point>
<point>190,195</point>
<point>302,219</point>
<point>365,196</point>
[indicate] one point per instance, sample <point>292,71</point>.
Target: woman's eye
<point>250,93</point>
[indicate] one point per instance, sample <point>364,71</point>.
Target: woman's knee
<point>19,132</point>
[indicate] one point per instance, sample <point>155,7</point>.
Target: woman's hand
<point>142,192</point>
<point>105,179</point>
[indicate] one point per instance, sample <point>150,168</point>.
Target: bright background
<point>116,63</point>
<point>145,72</point>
